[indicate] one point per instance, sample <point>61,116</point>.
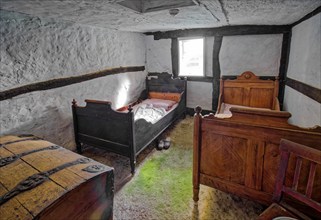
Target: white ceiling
<point>206,13</point>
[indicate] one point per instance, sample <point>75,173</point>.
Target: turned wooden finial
<point>198,110</point>
<point>130,108</point>
<point>74,103</point>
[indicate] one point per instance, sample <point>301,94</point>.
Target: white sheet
<point>150,113</point>
<point>226,113</point>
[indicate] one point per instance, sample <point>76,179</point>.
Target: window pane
<point>191,61</point>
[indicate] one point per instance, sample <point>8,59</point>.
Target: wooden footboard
<point>240,155</point>
<point>98,125</point>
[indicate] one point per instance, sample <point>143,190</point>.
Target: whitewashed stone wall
<point>34,49</point>
<point>257,53</point>
<point>305,66</point>
<point>159,59</point>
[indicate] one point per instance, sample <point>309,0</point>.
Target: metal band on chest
<point>7,160</point>
<point>37,179</point>
<point>20,140</point>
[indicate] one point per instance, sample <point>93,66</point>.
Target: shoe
<point>160,145</point>
<point>167,143</point>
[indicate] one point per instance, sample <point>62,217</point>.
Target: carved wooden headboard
<point>249,90</point>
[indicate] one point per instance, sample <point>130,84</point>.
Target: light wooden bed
<point>249,90</point>
<point>239,154</point>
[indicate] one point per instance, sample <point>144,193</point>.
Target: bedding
<point>160,103</point>
<point>225,111</point>
<point>149,113</point>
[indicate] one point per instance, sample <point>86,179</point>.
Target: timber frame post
<point>196,152</point>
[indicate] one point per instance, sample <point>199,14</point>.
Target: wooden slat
<point>46,160</point>
<point>5,153</point>
<point>37,199</point>
<point>297,173</point>
<point>299,197</point>
<point>9,138</point>
<point>21,171</point>
<point>310,179</point>
<point>280,178</point>
<point>25,146</point>
<point>13,210</point>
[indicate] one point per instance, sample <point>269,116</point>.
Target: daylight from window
<point>191,61</point>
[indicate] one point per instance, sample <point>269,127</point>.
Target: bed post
<point>74,117</point>
<point>196,152</point>
<point>132,145</point>
<point>185,96</point>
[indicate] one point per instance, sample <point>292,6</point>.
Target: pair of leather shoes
<point>164,144</point>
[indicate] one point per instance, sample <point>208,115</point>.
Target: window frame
<point>178,57</point>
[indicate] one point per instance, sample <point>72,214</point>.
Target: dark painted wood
<point>310,91</point>
<point>284,61</point>
<point>191,111</point>
<point>199,79</point>
<point>223,31</point>
<point>98,125</point>
<point>60,82</point>
<point>174,53</point>
<point>216,71</point>
<point>311,14</point>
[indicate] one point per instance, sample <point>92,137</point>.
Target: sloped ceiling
<point>203,14</point>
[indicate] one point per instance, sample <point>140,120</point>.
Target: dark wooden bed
<point>98,125</point>
<point>240,154</point>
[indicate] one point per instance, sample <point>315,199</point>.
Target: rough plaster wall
<point>257,53</point>
<point>50,49</point>
<point>305,111</point>
<point>34,49</point>
<point>209,13</point>
<point>199,93</point>
<point>304,66</point>
<point>158,55</point>
<point>304,61</point>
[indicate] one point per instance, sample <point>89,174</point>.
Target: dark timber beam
<point>174,53</point>
<point>216,71</point>
<point>311,14</point>
<point>310,91</point>
<point>223,31</point>
<point>285,54</point>
<point>60,82</point>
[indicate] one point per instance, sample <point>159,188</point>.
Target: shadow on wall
<point>54,125</point>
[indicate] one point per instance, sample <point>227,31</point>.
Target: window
<point>191,57</point>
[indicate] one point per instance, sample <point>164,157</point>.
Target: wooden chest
<point>40,180</point>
